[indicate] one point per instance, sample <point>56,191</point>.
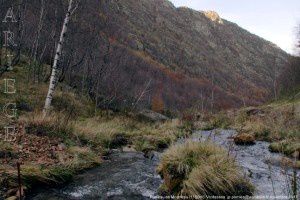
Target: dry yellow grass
<point>102,131</point>
<point>278,122</point>
<point>54,125</point>
<point>195,168</point>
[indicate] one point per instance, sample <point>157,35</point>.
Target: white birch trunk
<point>54,73</point>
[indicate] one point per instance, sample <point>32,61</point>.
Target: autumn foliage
<point>157,103</point>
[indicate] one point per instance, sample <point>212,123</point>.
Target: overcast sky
<point>274,20</point>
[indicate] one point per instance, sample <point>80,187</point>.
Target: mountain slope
<point>148,53</point>
<point>191,43</point>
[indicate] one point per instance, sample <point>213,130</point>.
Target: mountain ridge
<point>204,28</point>
<point>215,15</point>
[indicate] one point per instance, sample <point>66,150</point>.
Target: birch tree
<point>55,70</point>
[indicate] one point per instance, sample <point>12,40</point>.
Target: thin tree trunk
<point>36,44</point>
<point>39,30</point>
<point>21,14</point>
<point>54,73</point>
<point>212,93</point>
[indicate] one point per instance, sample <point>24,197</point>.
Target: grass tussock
<point>288,147</point>
<point>76,159</point>
<point>195,168</point>
<point>55,125</point>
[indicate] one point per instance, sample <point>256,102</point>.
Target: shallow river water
<point>262,167</point>
<point>129,175</point>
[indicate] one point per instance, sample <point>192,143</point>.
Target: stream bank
<point>129,175</point>
<point>126,175</point>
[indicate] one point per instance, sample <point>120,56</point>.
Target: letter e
<point>9,86</point>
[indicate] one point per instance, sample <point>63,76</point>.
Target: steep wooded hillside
<point>148,53</point>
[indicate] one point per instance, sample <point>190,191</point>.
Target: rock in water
<point>244,139</point>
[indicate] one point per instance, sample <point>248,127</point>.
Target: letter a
<point>10,14</point>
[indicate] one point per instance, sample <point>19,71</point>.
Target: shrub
<point>221,121</point>
<point>242,117</point>
<point>218,121</point>
<point>187,128</point>
<point>23,104</point>
<point>287,147</point>
<point>195,168</point>
<point>262,132</point>
<point>64,103</point>
<point>142,144</point>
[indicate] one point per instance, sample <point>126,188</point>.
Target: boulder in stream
<point>244,139</point>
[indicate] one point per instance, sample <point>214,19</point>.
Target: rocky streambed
<point>129,175</point>
<point>265,170</point>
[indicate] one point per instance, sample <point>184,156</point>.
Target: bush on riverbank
<point>288,147</point>
<point>195,168</point>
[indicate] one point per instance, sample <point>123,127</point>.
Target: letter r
<point>9,39</point>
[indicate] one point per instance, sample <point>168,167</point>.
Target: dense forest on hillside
<point>175,57</point>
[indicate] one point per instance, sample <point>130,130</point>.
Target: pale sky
<point>274,20</point>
